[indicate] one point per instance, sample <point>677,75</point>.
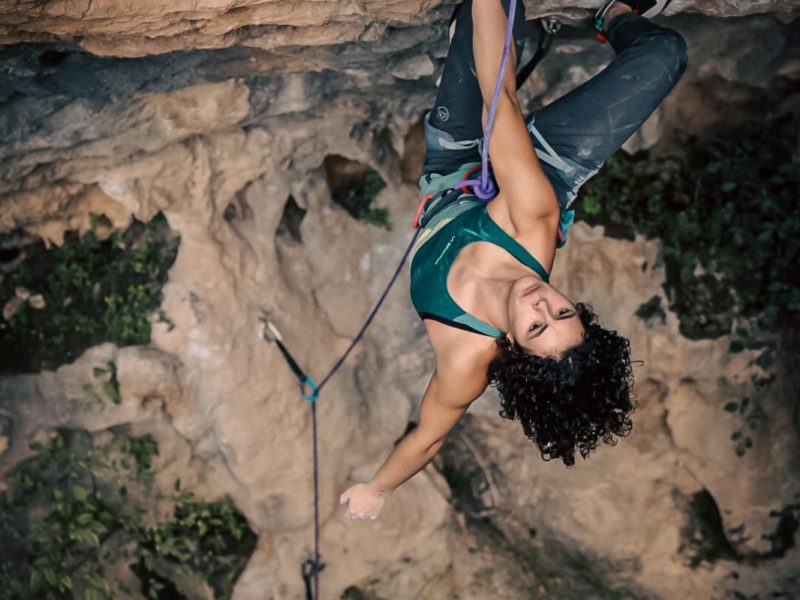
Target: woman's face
<point>541,319</point>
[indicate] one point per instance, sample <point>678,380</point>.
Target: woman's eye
<point>563,312</point>
<point>533,327</point>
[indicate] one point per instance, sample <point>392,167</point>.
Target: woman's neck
<point>491,290</point>
<point>497,293</point>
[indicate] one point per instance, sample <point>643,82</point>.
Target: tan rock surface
<point>218,142</point>
<point>109,28</point>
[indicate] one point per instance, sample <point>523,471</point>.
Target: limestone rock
<point>113,29</point>
<point>219,137</point>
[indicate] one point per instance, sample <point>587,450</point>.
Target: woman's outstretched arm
<point>451,390</point>
<point>524,187</point>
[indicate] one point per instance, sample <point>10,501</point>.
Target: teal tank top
<point>437,247</point>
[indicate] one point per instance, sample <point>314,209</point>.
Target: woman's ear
<point>510,337</point>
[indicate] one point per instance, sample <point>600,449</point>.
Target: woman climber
<point>480,270</point>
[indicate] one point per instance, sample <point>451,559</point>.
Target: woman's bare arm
<point>523,185</point>
<point>459,379</point>
<point>446,399</point>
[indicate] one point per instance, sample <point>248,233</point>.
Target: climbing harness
<point>485,189</point>
<point>431,204</point>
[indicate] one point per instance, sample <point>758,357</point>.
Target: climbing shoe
<point>645,8</point>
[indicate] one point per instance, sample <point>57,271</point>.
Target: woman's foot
<point>646,8</point>
<point>614,8</point>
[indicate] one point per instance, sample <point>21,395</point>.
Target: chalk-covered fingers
<point>362,502</point>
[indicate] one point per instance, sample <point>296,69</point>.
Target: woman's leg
<point>453,127</point>
<point>590,123</point>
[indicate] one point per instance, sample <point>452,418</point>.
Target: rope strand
<point>485,190</point>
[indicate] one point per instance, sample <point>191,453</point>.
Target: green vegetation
<point>74,514</point>
<point>210,541</point>
<point>752,413</point>
<point>357,196</point>
<point>725,211</point>
<point>91,291</point>
<point>724,208</point>
<point>111,385</point>
<point>652,310</point>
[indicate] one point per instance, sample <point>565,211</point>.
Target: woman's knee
<point>627,32</point>
<point>671,48</point>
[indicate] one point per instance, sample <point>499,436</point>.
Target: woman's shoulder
<point>460,352</point>
<point>538,236</point>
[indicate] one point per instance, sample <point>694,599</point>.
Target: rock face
<point>117,29</point>
<point>100,114</point>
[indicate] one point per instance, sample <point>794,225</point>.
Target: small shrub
<point>93,291</point>
<point>724,208</point>
<point>652,310</point>
<point>75,507</point>
<point>353,187</point>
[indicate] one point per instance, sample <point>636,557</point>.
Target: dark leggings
<point>585,126</point>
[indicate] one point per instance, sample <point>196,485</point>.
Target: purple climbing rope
<point>371,316</point>
<point>317,563</point>
<point>485,189</point>
<point>311,569</point>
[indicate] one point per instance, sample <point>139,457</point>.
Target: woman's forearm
<point>407,458</point>
<point>488,37</point>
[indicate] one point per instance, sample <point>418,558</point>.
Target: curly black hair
<point>573,401</point>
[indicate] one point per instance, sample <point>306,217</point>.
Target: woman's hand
<point>362,501</point>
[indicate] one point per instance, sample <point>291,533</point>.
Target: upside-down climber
<point>480,270</point>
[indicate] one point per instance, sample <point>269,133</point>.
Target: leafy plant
<point>724,209</point>
<point>92,291</point>
<point>651,310</point>
<point>752,411</point>
<point>58,518</point>
<point>141,449</point>
<point>74,507</point>
<point>358,194</point>
<point>209,540</point>
<point>111,385</point>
